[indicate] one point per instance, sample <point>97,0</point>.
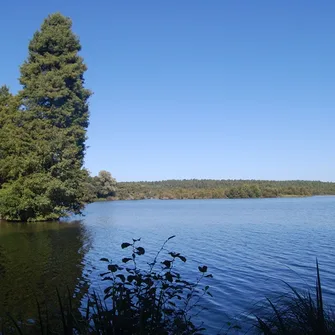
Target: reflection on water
<point>37,258</point>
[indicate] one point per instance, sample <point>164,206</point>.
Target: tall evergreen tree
<point>5,99</point>
<point>11,137</point>
<point>53,116</point>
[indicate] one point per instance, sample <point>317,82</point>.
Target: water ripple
<point>251,247</point>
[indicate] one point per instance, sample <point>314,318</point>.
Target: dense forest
<point>217,189</point>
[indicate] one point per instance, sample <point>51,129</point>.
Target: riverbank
<point>219,189</point>
<point>225,198</point>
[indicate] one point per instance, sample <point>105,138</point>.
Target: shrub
<point>155,300</point>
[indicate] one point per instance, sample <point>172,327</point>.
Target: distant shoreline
<point>278,197</point>
<point>219,189</point>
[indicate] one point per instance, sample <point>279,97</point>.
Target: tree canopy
<point>43,129</point>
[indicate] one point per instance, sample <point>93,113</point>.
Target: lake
<point>250,246</point>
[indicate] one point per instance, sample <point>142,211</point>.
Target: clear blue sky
<point>198,89</point>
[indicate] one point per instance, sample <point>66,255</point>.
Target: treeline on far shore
<point>218,189</point>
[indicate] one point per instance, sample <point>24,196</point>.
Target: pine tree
<point>11,137</point>
<point>5,100</point>
<point>53,116</point>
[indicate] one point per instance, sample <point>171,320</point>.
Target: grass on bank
<point>298,313</point>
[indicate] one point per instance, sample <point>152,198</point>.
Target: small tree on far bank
<point>105,184</point>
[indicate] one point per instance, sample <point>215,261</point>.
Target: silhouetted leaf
<point>182,258</point>
<point>130,278</point>
<point>148,281</point>
<point>104,259</point>
<point>126,259</point>
<point>125,245</point>
<point>107,289</point>
<point>122,277</point>
<point>140,251</point>
<point>169,277</point>
<point>112,267</point>
<point>167,263</point>
<point>202,269</point>
<point>107,278</point>
<point>209,276</point>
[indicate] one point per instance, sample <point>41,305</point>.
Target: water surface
<point>37,258</point>
<point>250,246</point>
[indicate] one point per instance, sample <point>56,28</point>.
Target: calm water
<point>250,247</point>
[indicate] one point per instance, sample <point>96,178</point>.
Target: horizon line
<point>229,179</point>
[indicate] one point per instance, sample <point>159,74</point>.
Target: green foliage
<point>89,188</point>
<point>105,184</point>
<point>13,140</point>
<point>156,300</point>
<point>218,189</point>
<point>43,129</point>
<point>100,187</point>
<point>5,104</point>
